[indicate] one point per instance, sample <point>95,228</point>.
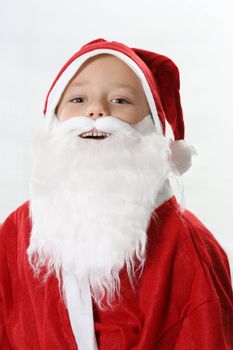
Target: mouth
<point>94,134</point>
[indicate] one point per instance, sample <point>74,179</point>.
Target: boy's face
<point>104,86</point>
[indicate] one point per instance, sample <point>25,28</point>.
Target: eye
<point>121,100</point>
<point>77,99</point>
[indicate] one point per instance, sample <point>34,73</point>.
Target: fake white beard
<point>90,206</point>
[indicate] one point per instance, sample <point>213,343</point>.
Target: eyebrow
<point>77,83</point>
<point>120,85</point>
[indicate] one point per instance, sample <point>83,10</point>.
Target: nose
<point>97,110</point>
<point>94,115</point>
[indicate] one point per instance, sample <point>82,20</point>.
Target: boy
<point>102,256</point>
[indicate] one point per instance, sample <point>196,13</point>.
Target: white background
<point>36,39</point>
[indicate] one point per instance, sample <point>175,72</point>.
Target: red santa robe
<point>182,301</point>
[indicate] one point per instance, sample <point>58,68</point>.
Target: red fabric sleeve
<point>6,228</point>
<point>212,323</point>
<point>214,261</point>
<point>206,328</point>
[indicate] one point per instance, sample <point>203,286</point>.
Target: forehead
<point>106,67</point>
<point>105,61</point>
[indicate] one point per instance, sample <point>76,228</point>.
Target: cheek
<point>128,118</point>
<point>69,110</point>
<point>131,116</point>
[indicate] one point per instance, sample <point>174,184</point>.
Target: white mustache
<point>108,124</point>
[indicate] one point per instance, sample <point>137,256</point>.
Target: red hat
<point>158,74</point>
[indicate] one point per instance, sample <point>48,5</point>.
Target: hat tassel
<point>181,156</point>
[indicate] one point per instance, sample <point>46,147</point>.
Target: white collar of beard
<point>91,203</point>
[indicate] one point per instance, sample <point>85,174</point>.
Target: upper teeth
<point>94,133</point>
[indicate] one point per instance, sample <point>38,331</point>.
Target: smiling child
<point>102,255</point>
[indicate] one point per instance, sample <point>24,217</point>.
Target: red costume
<point>183,300</point>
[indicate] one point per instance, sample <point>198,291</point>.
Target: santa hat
<point>160,80</point>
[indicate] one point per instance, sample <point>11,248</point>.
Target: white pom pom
<point>181,156</point>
